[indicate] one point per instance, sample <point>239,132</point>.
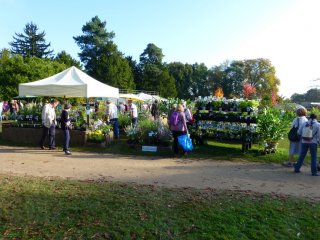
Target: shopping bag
<point>185,142</point>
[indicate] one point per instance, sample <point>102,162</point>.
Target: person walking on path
<point>65,126</point>
<point>294,148</point>
<point>49,124</point>
<point>312,129</point>
<point>113,118</point>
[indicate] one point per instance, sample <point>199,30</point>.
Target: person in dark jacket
<point>65,126</point>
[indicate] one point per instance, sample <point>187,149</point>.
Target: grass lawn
<point>33,208</point>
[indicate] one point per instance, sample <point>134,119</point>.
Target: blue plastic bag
<point>185,142</point>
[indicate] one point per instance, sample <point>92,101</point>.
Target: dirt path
<point>169,172</point>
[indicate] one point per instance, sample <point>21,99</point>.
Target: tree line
<point>30,58</point>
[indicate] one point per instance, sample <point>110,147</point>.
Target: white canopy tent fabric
<point>148,97</point>
<point>72,82</point>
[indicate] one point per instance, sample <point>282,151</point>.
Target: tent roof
<point>71,82</point>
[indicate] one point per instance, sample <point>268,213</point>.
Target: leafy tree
<point>233,79</point>
<point>31,44</point>
<point>313,95</point>
<point>298,98</point>
<point>151,55</point>
<point>248,90</point>
<point>154,74</point>
<point>102,60</point>
<point>64,57</point>
<point>261,74</point>
<point>182,73</point>
<point>15,69</point>
<point>200,84</point>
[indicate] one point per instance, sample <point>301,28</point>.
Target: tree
<point>182,74</point>
<point>31,44</point>
<point>200,84</point>
<point>312,95</point>
<point>15,69</point>
<point>64,57</point>
<point>154,74</point>
<point>248,90</point>
<point>298,98</point>
<point>233,79</point>
<point>261,74</point>
<point>102,60</point>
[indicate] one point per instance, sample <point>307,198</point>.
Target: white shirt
<point>122,108</point>
<point>134,110</point>
<point>112,111</point>
<point>1,107</point>
<point>48,115</point>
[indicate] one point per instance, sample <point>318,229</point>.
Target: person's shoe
<point>287,164</point>
<point>42,147</point>
<point>315,174</point>
<point>68,153</point>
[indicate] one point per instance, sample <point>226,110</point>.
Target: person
<point>1,108</point>
<point>133,112</point>
<point>65,126</point>
<point>155,110</point>
<point>49,124</point>
<point>294,148</point>
<point>187,113</point>
<point>173,109</point>
<point>179,129</point>
<point>13,106</point>
<point>113,117</point>
<point>122,107</point>
<point>96,106</point>
<point>307,144</point>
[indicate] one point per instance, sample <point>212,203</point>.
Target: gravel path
<point>169,172</point>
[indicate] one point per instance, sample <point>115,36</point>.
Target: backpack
<point>174,118</point>
<point>293,133</point>
<point>307,132</point>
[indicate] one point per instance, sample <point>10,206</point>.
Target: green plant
<point>272,124</point>
<point>124,120</point>
<point>96,136</point>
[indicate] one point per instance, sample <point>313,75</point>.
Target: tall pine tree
<point>31,44</point>
<point>101,57</point>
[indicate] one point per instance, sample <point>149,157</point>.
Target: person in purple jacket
<point>178,127</point>
<point>65,126</point>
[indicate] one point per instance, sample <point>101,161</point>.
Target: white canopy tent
<point>72,82</point>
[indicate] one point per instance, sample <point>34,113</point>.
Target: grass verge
<point>33,208</point>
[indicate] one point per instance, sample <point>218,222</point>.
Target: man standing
<point>49,123</point>
<point>113,118</point>
<point>133,112</point>
<point>155,110</point>
<point>65,126</point>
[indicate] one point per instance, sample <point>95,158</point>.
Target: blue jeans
<point>303,152</point>
<point>66,139</point>
<point>134,121</point>
<point>115,125</point>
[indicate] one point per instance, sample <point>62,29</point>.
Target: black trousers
<point>51,132</point>
<point>176,134</point>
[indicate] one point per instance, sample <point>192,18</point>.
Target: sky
<point>287,32</point>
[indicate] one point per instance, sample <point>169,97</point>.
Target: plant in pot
<point>272,126</point>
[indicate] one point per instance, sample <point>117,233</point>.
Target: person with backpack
<point>310,134</point>
<point>178,126</point>
<point>295,139</point>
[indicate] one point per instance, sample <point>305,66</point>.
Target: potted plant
<point>272,126</point>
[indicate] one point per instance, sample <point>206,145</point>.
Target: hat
<point>67,106</point>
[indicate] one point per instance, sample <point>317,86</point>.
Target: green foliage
<point>65,58</point>
<point>96,136</point>
<point>31,44</point>
<point>101,57</point>
<point>15,69</point>
<point>124,120</point>
<point>273,124</point>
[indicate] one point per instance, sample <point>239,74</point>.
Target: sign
<point>149,148</point>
